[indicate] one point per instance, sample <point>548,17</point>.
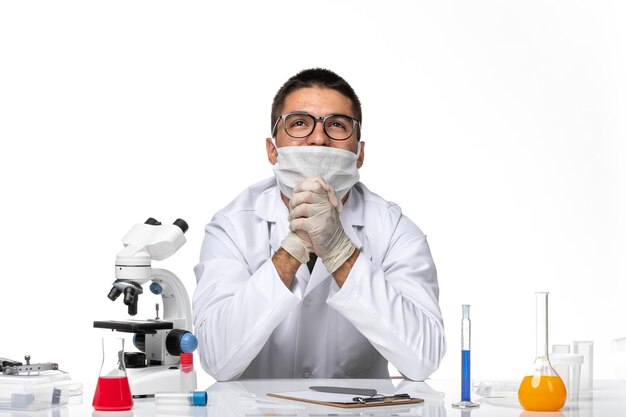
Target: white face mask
<point>336,166</point>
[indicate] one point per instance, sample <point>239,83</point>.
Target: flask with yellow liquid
<point>542,389</point>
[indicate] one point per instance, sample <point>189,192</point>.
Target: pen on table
<point>382,398</point>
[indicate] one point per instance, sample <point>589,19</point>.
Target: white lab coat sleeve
<point>395,306</point>
<point>235,309</point>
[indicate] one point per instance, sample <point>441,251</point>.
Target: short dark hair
<point>315,77</point>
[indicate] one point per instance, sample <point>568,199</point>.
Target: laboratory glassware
<point>113,391</point>
<point>466,380</point>
<point>542,389</point>
<point>567,365</point>
<point>585,348</point>
<point>193,398</point>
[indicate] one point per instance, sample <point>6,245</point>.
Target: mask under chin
<point>296,163</point>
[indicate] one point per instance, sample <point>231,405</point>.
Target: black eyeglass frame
<point>356,125</point>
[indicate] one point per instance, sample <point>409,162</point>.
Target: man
<point>309,274</point>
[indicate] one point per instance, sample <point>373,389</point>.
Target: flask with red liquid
<point>113,391</point>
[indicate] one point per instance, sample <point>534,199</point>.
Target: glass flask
<point>113,391</point>
<point>542,389</point>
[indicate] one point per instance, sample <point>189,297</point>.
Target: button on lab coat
<point>250,325</point>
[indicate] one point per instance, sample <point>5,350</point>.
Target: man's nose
<point>318,136</point>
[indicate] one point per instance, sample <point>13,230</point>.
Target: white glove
<point>297,247</point>
<point>314,210</point>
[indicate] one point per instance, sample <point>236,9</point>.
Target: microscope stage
<point>134,326</point>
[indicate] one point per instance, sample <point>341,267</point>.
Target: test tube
<point>466,380</point>
<point>194,398</point>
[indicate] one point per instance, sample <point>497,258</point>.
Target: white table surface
<point>242,399</point>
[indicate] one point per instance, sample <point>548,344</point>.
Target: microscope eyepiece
<point>182,224</point>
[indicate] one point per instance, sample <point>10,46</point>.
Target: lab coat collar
<point>271,208</point>
<point>353,209</point>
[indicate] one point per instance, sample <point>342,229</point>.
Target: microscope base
<point>145,382</point>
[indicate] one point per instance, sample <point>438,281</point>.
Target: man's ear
<point>272,152</point>
<point>361,156</point>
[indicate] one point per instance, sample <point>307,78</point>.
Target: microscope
<point>162,343</point>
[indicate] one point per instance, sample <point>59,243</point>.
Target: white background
<point>497,126</point>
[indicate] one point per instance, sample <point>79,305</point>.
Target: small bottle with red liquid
<point>113,391</point>
<point>187,373</point>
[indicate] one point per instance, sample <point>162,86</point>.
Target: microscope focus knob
<point>156,288</point>
<point>180,341</point>
<point>188,343</point>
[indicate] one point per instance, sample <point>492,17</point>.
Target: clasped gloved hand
<point>297,247</point>
<point>314,215</point>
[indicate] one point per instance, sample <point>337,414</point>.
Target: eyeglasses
<point>300,125</point>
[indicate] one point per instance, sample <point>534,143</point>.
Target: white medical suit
<point>250,325</point>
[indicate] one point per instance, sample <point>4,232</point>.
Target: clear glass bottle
<point>113,391</point>
<point>542,388</point>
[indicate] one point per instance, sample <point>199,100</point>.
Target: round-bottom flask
<point>542,389</point>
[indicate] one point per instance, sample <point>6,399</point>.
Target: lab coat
<point>250,325</point>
